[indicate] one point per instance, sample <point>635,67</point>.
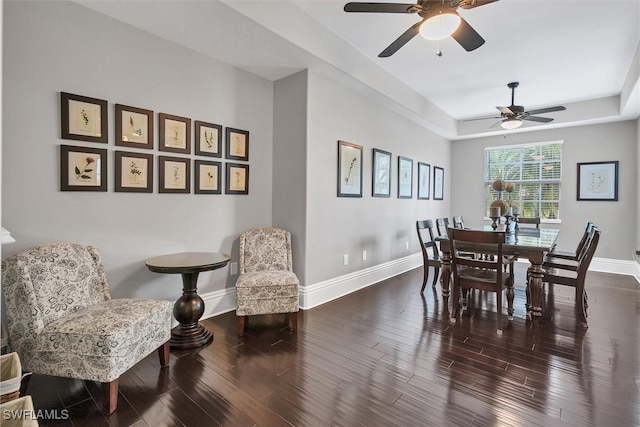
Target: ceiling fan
<point>439,20</point>
<point>513,115</point>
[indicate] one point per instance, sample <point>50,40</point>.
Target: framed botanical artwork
<point>349,169</point>
<point>134,172</point>
<point>134,127</point>
<point>381,173</point>
<point>236,178</point>
<point>83,168</point>
<point>175,133</point>
<point>83,118</point>
<point>208,177</point>
<point>208,139</point>
<point>598,181</point>
<point>424,181</point>
<point>405,177</point>
<point>174,174</point>
<point>237,147</point>
<point>438,183</point>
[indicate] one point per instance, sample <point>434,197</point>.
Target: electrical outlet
<point>233,268</point>
<point>364,255</point>
<point>407,245</point>
<point>345,259</point>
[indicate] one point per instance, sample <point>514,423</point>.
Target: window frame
<point>539,181</point>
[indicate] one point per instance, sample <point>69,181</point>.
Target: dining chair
<point>573,256</point>
<point>430,252</point>
<point>561,275</point>
<point>482,274</point>
<point>267,283</point>
<point>63,322</point>
<point>531,221</point>
<point>441,226</point>
<point>458,222</point>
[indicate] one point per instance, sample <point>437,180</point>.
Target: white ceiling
<point>576,53</point>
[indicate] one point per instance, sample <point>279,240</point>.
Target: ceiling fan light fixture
<point>440,26</point>
<point>511,123</point>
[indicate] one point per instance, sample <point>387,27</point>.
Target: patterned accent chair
<point>267,283</point>
<point>63,322</point>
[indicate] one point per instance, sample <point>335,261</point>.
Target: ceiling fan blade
<point>470,4</point>
<point>382,7</point>
<point>401,41</point>
<point>506,110</point>
<point>537,119</point>
<point>481,118</point>
<point>467,37</point>
<point>547,110</point>
<point>495,125</point>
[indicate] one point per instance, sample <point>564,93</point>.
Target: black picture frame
<point>208,139</point>
<point>174,133</point>
<point>598,181</point>
<point>349,169</point>
<point>405,177</point>
<point>236,178</point>
<point>133,172</point>
<point>83,118</point>
<point>237,144</point>
<point>381,173</point>
<point>207,177</point>
<point>134,127</point>
<point>438,183</point>
<point>83,168</point>
<point>174,175</point>
<point>424,181</point>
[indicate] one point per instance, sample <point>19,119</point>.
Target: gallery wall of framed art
<point>175,163</point>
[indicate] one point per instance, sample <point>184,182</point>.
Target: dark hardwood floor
<point>385,356</point>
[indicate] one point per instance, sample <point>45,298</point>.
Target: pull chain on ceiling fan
<point>440,19</point>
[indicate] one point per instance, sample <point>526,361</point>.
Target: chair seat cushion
<point>102,341</point>
<point>264,292</point>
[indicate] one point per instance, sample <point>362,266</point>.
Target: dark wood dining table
<point>530,243</point>
<point>189,308</point>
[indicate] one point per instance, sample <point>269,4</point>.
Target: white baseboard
<point>223,301</point>
<point>322,292</point>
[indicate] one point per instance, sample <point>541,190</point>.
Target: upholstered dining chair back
<point>265,249</point>
<point>63,322</point>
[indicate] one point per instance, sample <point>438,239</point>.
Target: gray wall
<point>58,46</point>
<point>290,164</point>
<point>613,141</point>
<point>382,226</point>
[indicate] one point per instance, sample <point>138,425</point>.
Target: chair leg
<point>499,312</point>
<point>110,396</point>
<point>425,275</point>
<point>581,304</point>
<point>294,321</point>
<point>241,320</point>
<point>24,383</point>
<point>436,273</point>
<point>163,354</point>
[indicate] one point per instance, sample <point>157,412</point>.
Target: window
<point>535,171</point>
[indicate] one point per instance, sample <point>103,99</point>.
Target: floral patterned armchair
<point>267,283</point>
<point>63,322</point>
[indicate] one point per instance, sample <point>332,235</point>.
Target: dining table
<point>530,243</point>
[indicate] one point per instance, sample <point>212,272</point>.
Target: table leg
<point>188,310</point>
<point>534,287</point>
<point>445,276</point>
